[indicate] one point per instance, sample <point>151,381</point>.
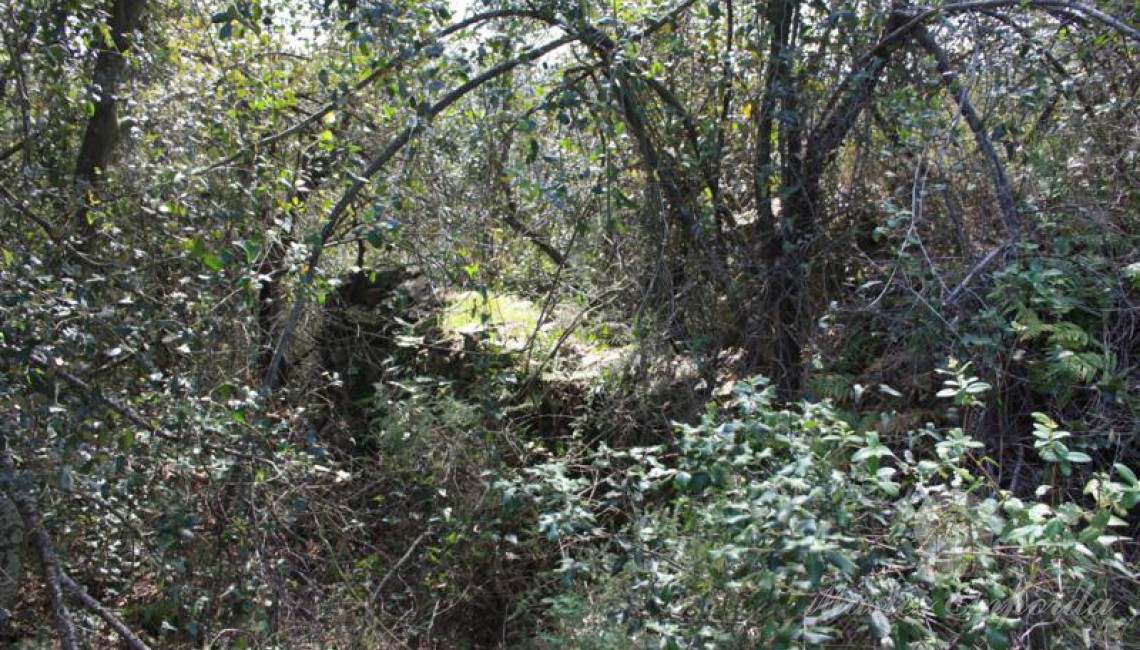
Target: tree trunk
<point>803,163</point>
<point>102,131</point>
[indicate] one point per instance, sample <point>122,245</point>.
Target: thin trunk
<point>782,235</point>
<point>314,168</point>
<point>804,162</point>
<point>11,565</point>
<point>102,131</point>
<point>271,306</point>
<point>777,79</point>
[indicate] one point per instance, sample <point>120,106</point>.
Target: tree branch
<point>901,30</point>
<point>961,97</point>
<point>127,413</point>
<point>35,218</point>
<point>16,147</point>
<point>389,65</point>
<point>49,562</point>
<point>132,640</point>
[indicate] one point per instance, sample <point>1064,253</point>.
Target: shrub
<point>782,528</point>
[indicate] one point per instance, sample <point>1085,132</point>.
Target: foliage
<point>788,528</point>
<point>288,287</point>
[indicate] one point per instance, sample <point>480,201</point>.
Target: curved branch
<point>513,210</point>
<point>419,47</point>
<point>1055,64</point>
<point>337,214</point>
<point>388,66</point>
<point>1049,57</point>
<point>961,97</point>
<point>592,36</point>
<point>905,23</point>
<point>846,103</point>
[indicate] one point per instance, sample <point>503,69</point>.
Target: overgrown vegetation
<point>784,528</point>
<point>403,323</point>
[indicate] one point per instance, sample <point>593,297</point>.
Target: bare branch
<point>132,640</point>
<point>16,148</point>
<point>130,415</point>
<point>49,561</point>
<point>961,97</point>
<point>954,295</point>
<point>43,224</point>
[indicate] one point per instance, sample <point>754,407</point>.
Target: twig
<point>14,149</point>
<point>396,567</point>
<point>949,79</point>
<point>133,416</point>
<point>124,411</point>
<point>24,210</point>
<point>978,268</point>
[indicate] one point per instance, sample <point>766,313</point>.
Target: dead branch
<point>95,607</point>
<point>49,562</point>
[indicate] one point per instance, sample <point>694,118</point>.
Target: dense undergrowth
<point>783,528</point>
<point>407,324</point>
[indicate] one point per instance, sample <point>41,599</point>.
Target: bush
<point>788,528</point>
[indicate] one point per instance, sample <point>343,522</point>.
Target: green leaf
<point>252,250</point>
<point>816,638</point>
<point>1125,473</point>
<point>996,638</point>
<point>880,624</point>
<point>874,449</point>
<point>814,569</point>
<point>212,262</point>
<point>841,562</point>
